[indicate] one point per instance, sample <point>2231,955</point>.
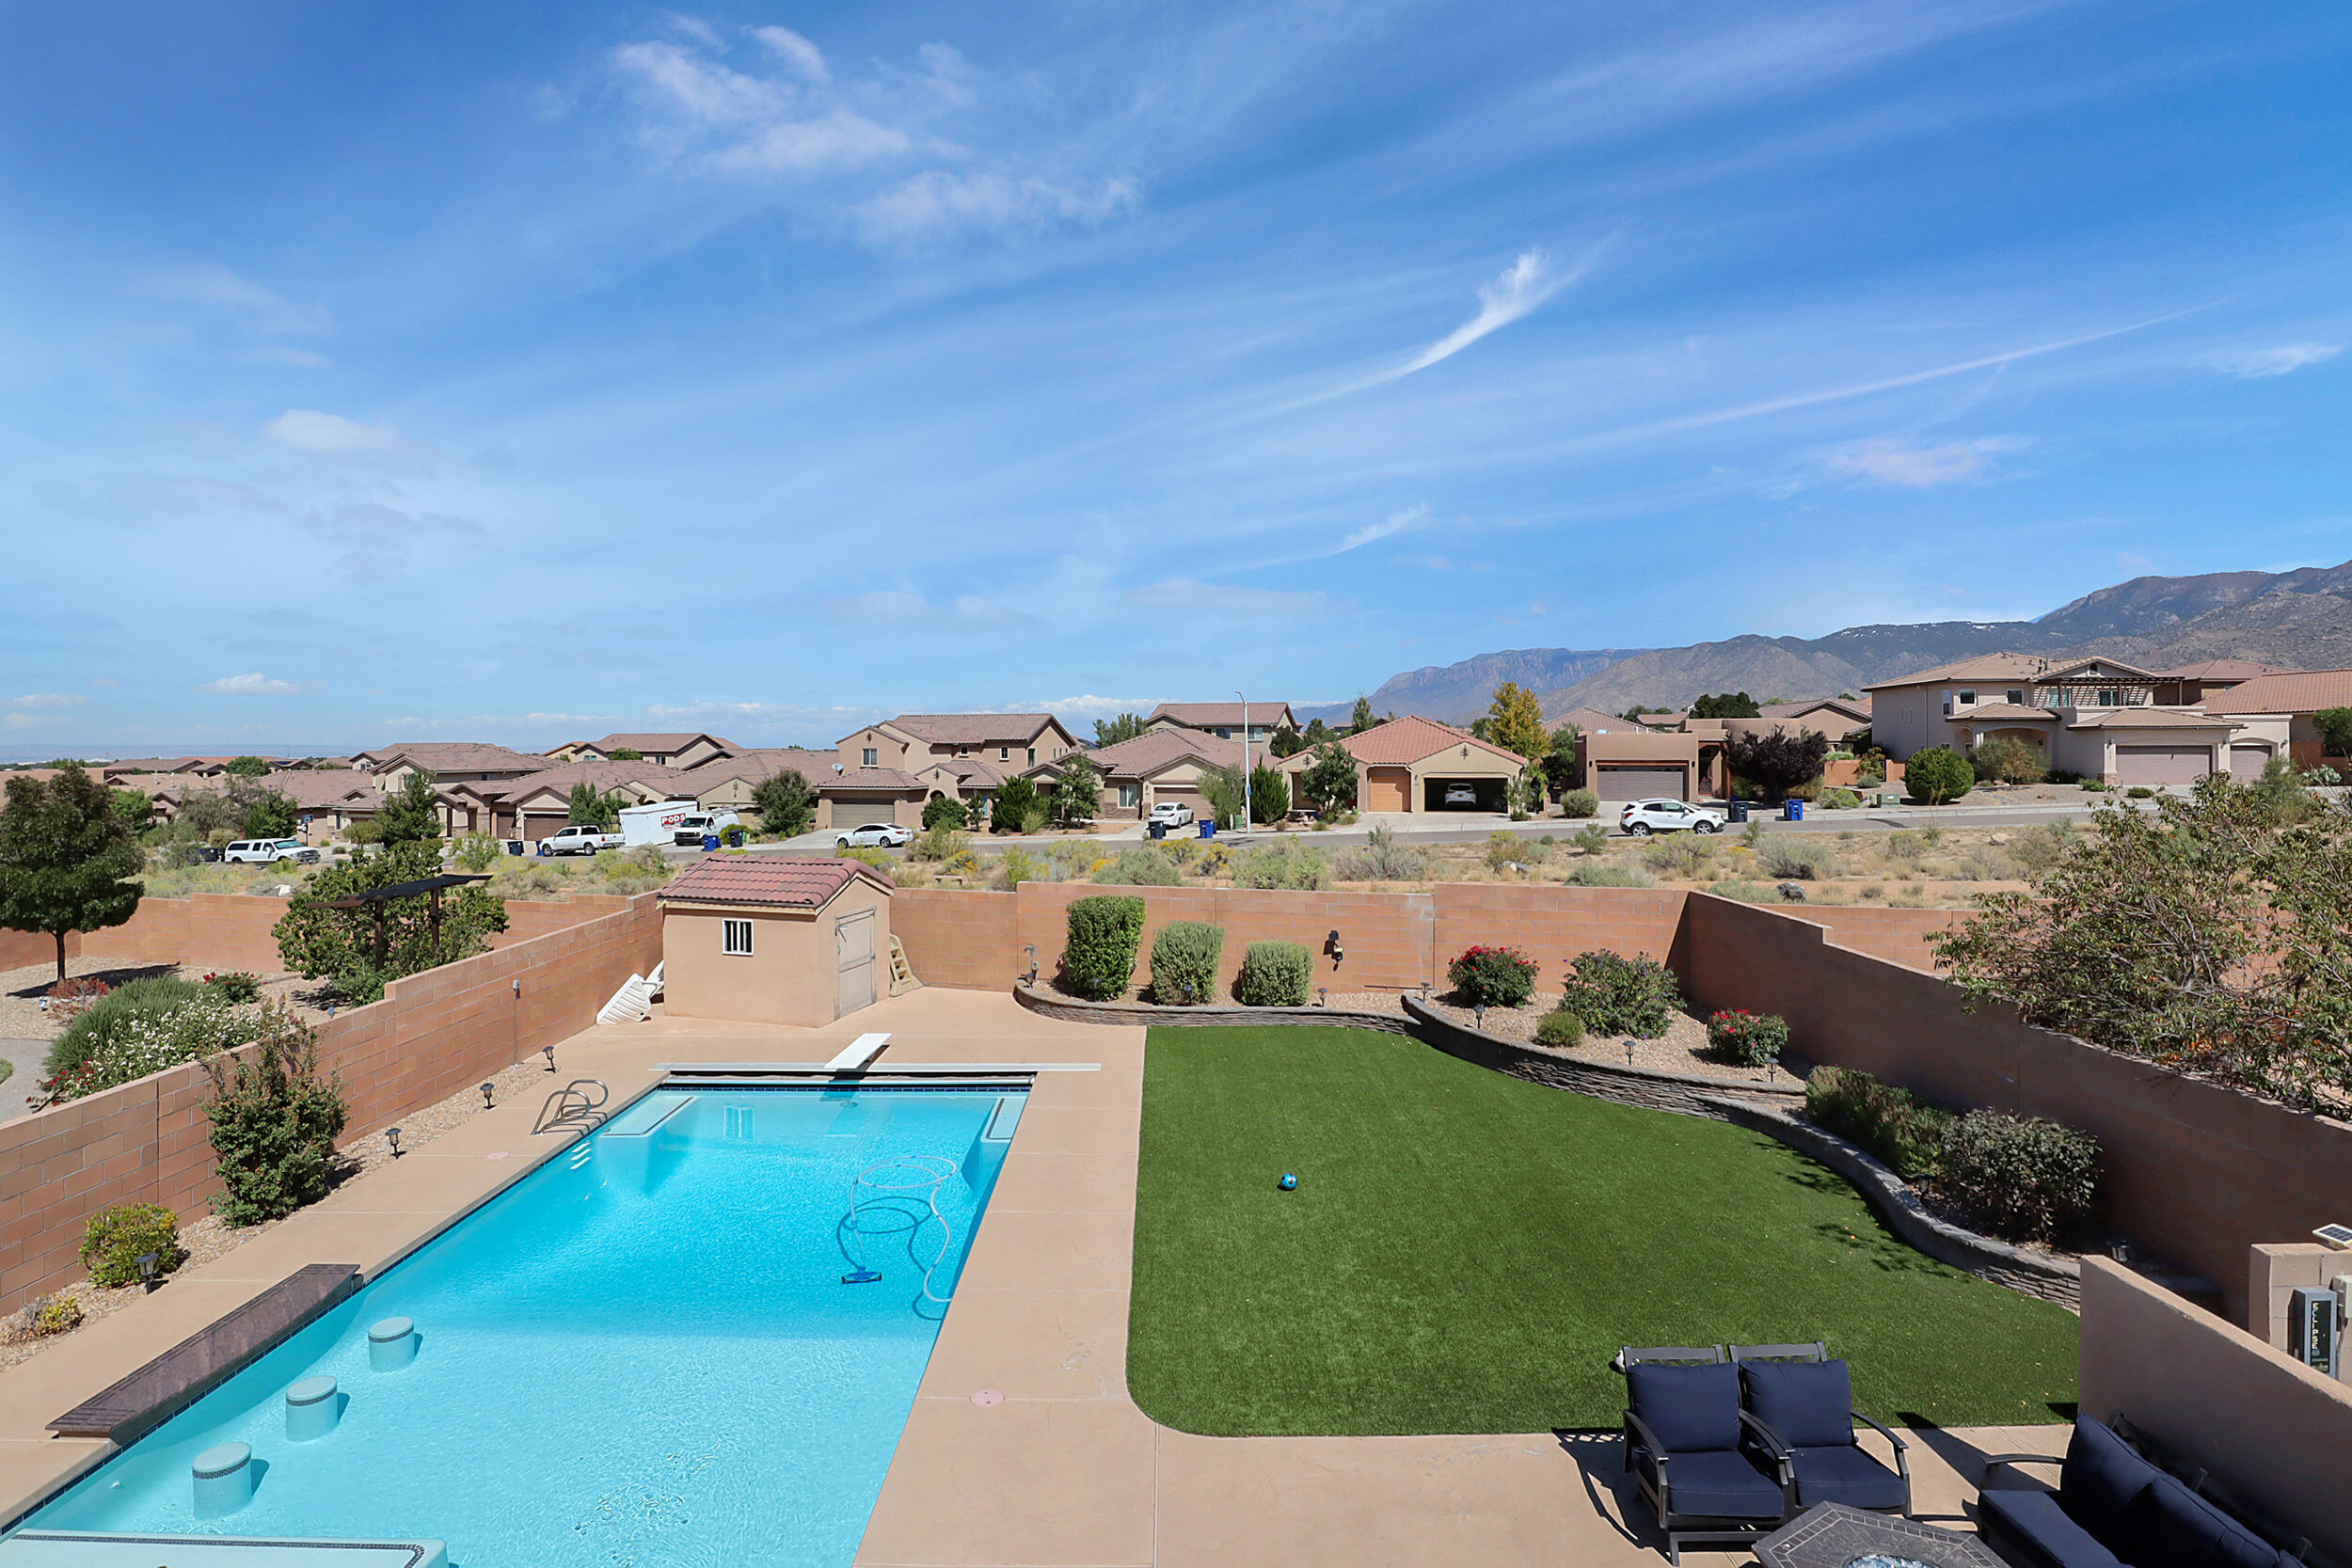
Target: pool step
<point>40,1548</point>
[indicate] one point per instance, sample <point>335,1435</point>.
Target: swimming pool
<point>644,1352</point>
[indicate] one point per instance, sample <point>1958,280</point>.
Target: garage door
<point>1638,783</point>
<point>1388,788</point>
<point>853,813</point>
<point>2162,765</point>
<point>1488,794</point>
<point>2247,761</point>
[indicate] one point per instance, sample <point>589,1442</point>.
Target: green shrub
<point>1836,798</point>
<point>2334,725</point>
<point>1561,1029</point>
<point>1591,839</point>
<point>1749,1039</point>
<point>1938,775</point>
<point>1285,864</point>
<point>477,853</point>
<point>1617,995</point>
<point>1579,803</point>
<point>275,1122</point>
<point>1015,866</point>
<point>117,1238</point>
<point>1100,958</point>
<point>1595,874</point>
<point>1183,962</point>
<point>940,841</point>
<point>941,812</point>
<point>104,1020</point>
<point>2019,1176</point>
<point>1383,858</point>
<point>235,986</point>
<point>1679,854</point>
<point>56,1314</point>
<point>2140,792</point>
<point>1786,855</point>
<point>879,858</point>
<point>1746,892</point>
<point>734,836</point>
<point>1492,977</point>
<point>1274,975</point>
<point>1141,867</point>
<point>1897,1128</point>
<point>2097,787</point>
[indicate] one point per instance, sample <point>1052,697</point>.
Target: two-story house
<point>1225,721</point>
<point>1011,741</point>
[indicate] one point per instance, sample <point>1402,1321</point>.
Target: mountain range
<point>2302,618</point>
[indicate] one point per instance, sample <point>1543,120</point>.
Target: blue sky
<point>514,372</point>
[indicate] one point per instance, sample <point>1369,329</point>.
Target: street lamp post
<point>1246,807</point>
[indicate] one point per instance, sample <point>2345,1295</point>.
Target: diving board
<point>859,1054</point>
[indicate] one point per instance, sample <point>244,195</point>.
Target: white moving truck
<point>656,823</point>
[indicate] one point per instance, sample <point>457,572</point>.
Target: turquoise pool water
<point>642,1353</point>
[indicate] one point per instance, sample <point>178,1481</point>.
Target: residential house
<point>1418,764</point>
<point>670,751</point>
<point>1834,716</point>
<point>859,796</point>
<point>1163,764</point>
<point>1589,721</point>
<point>911,739</point>
<point>2275,712</point>
<point>728,782</point>
<point>1631,764</point>
<point>446,762</point>
<point>969,780</point>
<point>2096,718</point>
<point>532,807</point>
<point>774,939</point>
<point>327,803</point>
<point>2193,685</point>
<point>1255,721</point>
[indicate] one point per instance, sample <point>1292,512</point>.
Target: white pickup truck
<point>579,839</point>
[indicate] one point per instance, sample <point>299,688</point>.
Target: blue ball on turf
<point>1289,1183</point>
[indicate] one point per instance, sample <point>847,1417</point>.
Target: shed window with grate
<point>737,937</point>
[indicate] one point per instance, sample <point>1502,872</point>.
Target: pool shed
<point>775,939</point>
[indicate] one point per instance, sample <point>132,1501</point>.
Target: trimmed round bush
<point>1579,803</point>
<point>2019,1176</point>
<point>1751,1040</point>
<point>56,1314</point>
<point>1938,775</point>
<point>1617,995</point>
<point>1492,977</point>
<point>1183,962</point>
<point>117,1238</point>
<point>1274,975</point>
<point>1560,1029</point>
<point>1100,958</point>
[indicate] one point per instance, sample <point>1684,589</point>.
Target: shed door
<point>2247,761</point>
<point>2162,765</point>
<point>854,950</point>
<point>1388,788</point>
<point>1637,784</point>
<point>851,812</point>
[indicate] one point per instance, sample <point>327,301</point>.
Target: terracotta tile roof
<point>2012,667</point>
<point>2007,710</point>
<point>784,881</point>
<point>1148,754</point>
<point>866,778</point>
<point>1589,718</point>
<point>1409,739</point>
<point>970,772</point>
<point>2147,719</point>
<point>2299,692</point>
<point>660,742</point>
<point>1210,715</point>
<point>456,756</point>
<point>2224,669</point>
<point>974,729</point>
<point>605,776</point>
<point>1856,706</point>
<point>757,764</point>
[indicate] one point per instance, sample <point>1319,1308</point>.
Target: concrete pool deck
<point>1054,1464</point>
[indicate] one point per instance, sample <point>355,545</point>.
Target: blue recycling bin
<point>1794,810</point>
<point>1208,826</point>
<point>1738,810</point>
<point>711,842</point>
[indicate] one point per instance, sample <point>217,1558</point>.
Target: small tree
<point>275,1122</point>
<point>1731,705</point>
<point>66,859</point>
<point>1560,772</point>
<point>136,808</point>
<point>1269,794</point>
<point>412,813</point>
<point>1125,726</point>
<point>1222,788</point>
<point>1938,775</point>
<point>1079,794</point>
<point>1287,742</point>
<point>593,808</point>
<point>1517,722</point>
<point>1328,785</point>
<point>246,767</point>
<point>1776,760</point>
<point>944,811</point>
<point>1361,719</point>
<point>2007,759</point>
<point>1318,731</point>
<point>2334,725</point>
<point>625,753</point>
<point>268,813</point>
<point>785,804</point>
<point>1016,805</point>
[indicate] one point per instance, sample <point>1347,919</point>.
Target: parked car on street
<point>694,827</point>
<point>580,839</point>
<point>876,835</point>
<point>267,852</point>
<point>1642,818</point>
<point>1170,814</point>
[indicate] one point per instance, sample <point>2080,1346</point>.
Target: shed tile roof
<point>1412,738</point>
<point>2300,691</point>
<point>974,729</point>
<point>784,881</point>
<point>1150,753</point>
<point>1212,714</point>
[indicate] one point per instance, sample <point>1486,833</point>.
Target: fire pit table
<point>1835,1536</point>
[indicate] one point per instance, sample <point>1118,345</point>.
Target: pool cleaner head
<point>861,1277</point>
<point>1289,1183</point>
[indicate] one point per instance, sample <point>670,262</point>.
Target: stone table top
<point>1831,1535</point>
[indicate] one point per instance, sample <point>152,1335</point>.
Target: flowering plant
<point>1749,1038</point>
<point>1492,977</point>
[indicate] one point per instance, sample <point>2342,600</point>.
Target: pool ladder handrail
<point>570,1106</point>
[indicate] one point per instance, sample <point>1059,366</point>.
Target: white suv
<point>1644,818</point>
<point>268,852</point>
<point>1171,814</point>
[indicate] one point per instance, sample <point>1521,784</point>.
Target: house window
<point>1130,796</point>
<point>1004,754</point>
<point>1032,753</point>
<point>2110,698</point>
<point>2016,699</point>
<point>872,759</point>
<point>736,937</point>
<point>1965,698</point>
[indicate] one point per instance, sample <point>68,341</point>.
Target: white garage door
<point>2162,765</point>
<point>1637,784</point>
<point>2247,761</point>
<point>851,812</point>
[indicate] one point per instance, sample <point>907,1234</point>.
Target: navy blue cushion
<point>2167,1526</point>
<point>2100,1478</point>
<point>1845,1475</point>
<point>2041,1527</point>
<point>1719,1485</point>
<point>1691,1409</point>
<point>1808,1403</point>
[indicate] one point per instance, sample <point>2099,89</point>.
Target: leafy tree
<point>625,753</point>
<point>411,814</point>
<point>136,808</point>
<point>1518,722</point>
<point>593,808</point>
<point>1483,727</point>
<point>1269,794</point>
<point>268,813</point>
<point>1016,805</point>
<point>1361,719</point>
<point>246,767</point>
<point>2334,725</point>
<point>1559,758</point>
<point>2282,793</point>
<point>2008,759</point>
<point>1124,726</point>
<point>1328,783</point>
<point>66,859</point>
<point>1317,733</point>
<point>1222,788</point>
<point>941,811</point>
<point>786,803</point>
<point>362,948</point>
<point>1287,742</point>
<point>1731,705</point>
<point>1938,775</point>
<point>1777,760</point>
<point>1079,794</point>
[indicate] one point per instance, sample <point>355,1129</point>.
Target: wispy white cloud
<point>2256,364</point>
<point>1892,460</point>
<point>255,685</point>
<point>1387,527</point>
<point>1087,706</point>
<point>730,121</point>
<point>1190,595</point>
<point>46,699</point>
<point>795,51</point>
<point>16,720</point>
<point>1523,286</point>
<point>331,435</point>
<point>286,354</point>
<point>256,305</point>
<point>935,202</point>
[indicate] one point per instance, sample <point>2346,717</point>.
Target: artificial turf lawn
<point>1465,1251</point>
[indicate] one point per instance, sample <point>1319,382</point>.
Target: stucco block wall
<point>2275,1271</point>
<point>217,930</point>
<point>2276,1433</point>
<point>23,949</point>
<point>966,940</point>
<point>431,1036</point>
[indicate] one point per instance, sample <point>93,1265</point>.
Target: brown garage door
<point>2247,761</point>
<point>851,811</point>
<point>1638,783</point>
<point>2162,765</point>
<point>1388,788</point>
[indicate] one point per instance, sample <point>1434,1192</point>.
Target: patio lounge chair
<point>1804,1400</point>
<point>1703,1463</point>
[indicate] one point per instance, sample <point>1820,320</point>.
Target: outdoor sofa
<point>2113,1506</point>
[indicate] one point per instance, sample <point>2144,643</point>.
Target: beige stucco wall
<point>789,976</point>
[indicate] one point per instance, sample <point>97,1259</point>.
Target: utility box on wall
<point>2314,1330</point>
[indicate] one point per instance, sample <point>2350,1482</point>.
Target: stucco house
<point>1013,741</point>
<point>1630,764</point>
<point>1418,764</point>
<point>446,762</point>
<point>856,797</point>
<point>2276,709</point>
<point>775,939</point>
<point>728,782</point>
<point>1164,764</point>
<point>669,750</point>
<point>1225,721</point>
<point>533,807</point>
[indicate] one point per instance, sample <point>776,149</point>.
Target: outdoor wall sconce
<point>549,1050</point>
<point>486,1089</point>
<point>1331,945</point>
<point>392,1135</point>
<point>148,1264</point>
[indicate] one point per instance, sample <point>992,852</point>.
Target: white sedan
<point>1642,818</point>
<point>876,835</point>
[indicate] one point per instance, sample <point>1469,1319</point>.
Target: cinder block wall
<point>431,1036</point>
<point>1387,937</point>
<point>23,949</point>
<point>231,932</point>
<point>964,939</point>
